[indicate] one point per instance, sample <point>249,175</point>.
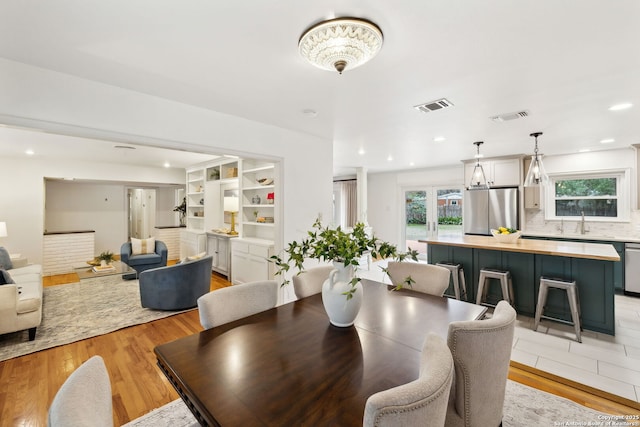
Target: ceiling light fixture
<point>478,178</point>
<point>439,139</point>
<point>340,44</point>
<point>536,174</point>
<point>622,106</point>
<point>607,141</point>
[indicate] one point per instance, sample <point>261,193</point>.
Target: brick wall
<point>63,251</point>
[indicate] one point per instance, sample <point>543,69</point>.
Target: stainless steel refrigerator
<point>485,209</point>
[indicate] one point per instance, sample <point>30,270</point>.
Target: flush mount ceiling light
<point>340,44</point>
<point>478,178</point>
<point>536,174</point>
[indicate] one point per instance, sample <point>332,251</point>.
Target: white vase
<point>341,311</point>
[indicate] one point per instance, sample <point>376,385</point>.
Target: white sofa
<point>21,303</point>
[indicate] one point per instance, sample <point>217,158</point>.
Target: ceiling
<point>564,62</point>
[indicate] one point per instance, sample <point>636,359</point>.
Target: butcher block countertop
<point>603,252</point>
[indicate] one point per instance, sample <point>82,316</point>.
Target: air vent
<point>434,105</point>
<point>510,116</point>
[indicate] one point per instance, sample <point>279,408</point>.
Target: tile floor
<point>609,363</point>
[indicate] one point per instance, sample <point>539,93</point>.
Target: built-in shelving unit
<point>195,199</point>
<point>258,200</point>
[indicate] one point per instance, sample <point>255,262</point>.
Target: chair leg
<point>575,316</point>
<point>463,295</point>
<point>32,334</point>
<point>542,298</point>
<point>456,285</point>
<point>481,288</point>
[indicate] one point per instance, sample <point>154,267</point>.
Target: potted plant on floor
<point>342,292</point>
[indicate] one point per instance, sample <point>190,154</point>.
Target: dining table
<point>289,366</point>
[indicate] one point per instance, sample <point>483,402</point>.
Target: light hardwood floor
<point>29,383</point>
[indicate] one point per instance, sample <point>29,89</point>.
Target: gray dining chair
<point>237,301</point>
<point>421,402</point>
<point>428,279</point>
<point>84,399</point>
<point>481,352</point>
<point>309,282</point>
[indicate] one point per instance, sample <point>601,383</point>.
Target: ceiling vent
<point>434,105</point>
<point>510,116</point>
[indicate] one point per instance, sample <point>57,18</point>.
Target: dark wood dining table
<point>289,366</point>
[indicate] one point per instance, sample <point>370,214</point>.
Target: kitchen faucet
<point>581,225</point>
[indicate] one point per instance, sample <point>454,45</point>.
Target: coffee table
<point>86,271</point>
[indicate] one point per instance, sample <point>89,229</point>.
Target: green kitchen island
<point>589,264</point>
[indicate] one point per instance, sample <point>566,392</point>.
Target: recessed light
<point>439,139</point>
<point>411,164</point>
<point>361,151</point>
<point>607,141</point>
<point>29,152</point>
<point>167,164</point>
<point>622,106</point>
<point>584,150</point>
<point>389,159</point>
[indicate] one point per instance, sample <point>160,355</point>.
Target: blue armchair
<point>143,262</point>
<point>176,287</point>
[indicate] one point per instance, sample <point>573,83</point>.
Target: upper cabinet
<point>500,172</point>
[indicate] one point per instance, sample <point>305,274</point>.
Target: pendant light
<point>536,174</point>
<point>478,178</point>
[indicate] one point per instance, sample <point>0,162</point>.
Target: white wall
<point>59,102</point>
<point>386,204</point>
<point>22,200</point>
<point>385,192</point>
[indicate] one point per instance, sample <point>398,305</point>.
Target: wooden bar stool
<point>457,274</point>
<point>506,284</point>
<point>571,288</point>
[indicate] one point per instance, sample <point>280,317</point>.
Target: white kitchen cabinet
<point>498,171</point>
<point>250,260</point>
<point>218,246</point>
<point>192,242</point>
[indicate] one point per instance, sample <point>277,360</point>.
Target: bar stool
<point>457,274</point>
<point>506,284</point>
<point>574,302</point>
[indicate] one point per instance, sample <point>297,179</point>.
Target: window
<point>598,196</point>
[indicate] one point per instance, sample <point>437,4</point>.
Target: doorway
<point>429,212</point>
<point>142,212</point>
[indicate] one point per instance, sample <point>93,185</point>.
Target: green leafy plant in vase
<point>344,248</point>
<point>105,258</point>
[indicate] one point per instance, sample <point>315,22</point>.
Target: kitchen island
<point>589,264</point>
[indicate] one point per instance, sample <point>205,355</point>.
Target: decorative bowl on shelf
<point>506,235</point>
<point>265,181</point>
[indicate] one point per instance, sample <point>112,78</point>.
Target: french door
<point>430,212</point>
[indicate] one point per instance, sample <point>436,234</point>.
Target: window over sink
<point>600,196</point>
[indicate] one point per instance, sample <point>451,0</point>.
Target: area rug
<point>82,310</point>
<point>523,407</point>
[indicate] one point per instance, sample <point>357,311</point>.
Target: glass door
<point>429,212</point>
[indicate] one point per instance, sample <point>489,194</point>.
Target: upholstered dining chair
<point>421,402</point>
<point>309,282</point>
<point>85,398</point>
<point>481,352</point>
<point>237,301</point>
<point>428,279</point>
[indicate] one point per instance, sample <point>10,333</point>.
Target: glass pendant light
<point>478,178</point>
<point>536,174</point>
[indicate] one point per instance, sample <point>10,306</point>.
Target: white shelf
<point>259,224</point>
<point>259,169</point>
<point>258,206</point>
<point>259,187</point>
